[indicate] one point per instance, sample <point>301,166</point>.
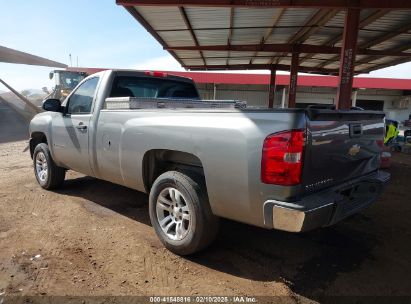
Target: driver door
<point>71,130</point>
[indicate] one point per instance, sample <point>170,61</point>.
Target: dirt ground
<point>94,238</point>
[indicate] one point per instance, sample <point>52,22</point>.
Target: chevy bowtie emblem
<point>354,150</point>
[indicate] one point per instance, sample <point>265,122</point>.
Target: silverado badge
<point>354,150</point>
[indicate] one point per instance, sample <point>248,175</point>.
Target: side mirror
<point>51,74</point>
<point>52,105</point>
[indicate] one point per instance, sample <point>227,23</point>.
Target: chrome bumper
<point>326,207</point>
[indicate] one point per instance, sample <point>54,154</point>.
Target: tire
<point>48,174</point>
<point>191,220</point>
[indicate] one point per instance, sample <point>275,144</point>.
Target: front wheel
<point>48,174</point>
<point>180,213</point>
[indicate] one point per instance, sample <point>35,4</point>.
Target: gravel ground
<point>94,238</point>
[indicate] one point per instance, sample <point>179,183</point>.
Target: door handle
<point>81,126</point>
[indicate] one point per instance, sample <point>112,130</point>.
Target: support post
<point>271,95</point>
<point>347,58</point>
<point>283,98</point>
<point>354,98</point>
<point>214,91</point>
<point>292,91</point>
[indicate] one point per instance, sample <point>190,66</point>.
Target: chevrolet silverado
<point>287,169</point>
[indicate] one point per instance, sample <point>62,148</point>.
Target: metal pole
<point>215,91</point>
<point>271,95</point>
<point>347,59</point>
<point>292,92</point>
<point>283,98</point>
<point>354,98</point>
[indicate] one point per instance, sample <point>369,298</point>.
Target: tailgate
<point>341,145</point>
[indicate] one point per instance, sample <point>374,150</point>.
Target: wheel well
<point>156,162</point>
<point>36,138</point>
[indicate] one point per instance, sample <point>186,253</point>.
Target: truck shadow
<point>307,262</point>
<point>111,197</point>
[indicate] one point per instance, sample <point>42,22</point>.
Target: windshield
<point>126,86</point>
<point>69,80</point>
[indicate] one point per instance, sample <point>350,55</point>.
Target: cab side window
<point>81,100</point>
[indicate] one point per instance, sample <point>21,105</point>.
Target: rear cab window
<point>148,87</point>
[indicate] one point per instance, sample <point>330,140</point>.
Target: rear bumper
<point>327,207</point>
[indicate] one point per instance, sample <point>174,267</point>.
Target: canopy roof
<point>251,34</point>
<point>13,56</point>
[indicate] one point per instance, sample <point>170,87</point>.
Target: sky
<point>98,32</point>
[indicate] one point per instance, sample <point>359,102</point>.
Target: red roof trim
<point>264,79</point>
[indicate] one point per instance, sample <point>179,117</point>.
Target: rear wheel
<point>180,213</point>
<point>48,174</point>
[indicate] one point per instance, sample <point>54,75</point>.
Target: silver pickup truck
<point>287,169</point>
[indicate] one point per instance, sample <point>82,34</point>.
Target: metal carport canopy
<point>310,35</point>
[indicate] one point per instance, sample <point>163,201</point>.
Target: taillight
<point>155,74</point>
<point>281,161</point>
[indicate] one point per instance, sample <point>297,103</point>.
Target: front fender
<point>42,124</point>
